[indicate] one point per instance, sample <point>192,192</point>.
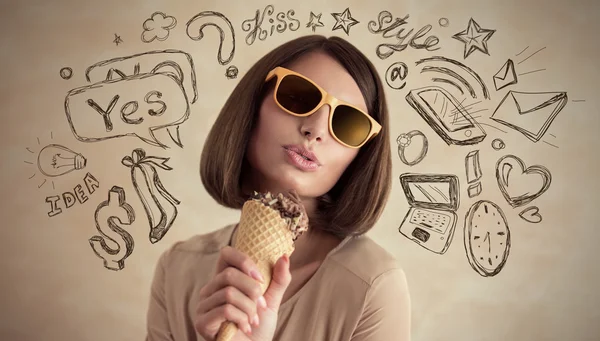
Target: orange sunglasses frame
<point>326,98</point>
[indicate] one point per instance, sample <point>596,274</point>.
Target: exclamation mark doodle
<point>473,170</point>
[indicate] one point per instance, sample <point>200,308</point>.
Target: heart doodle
<point>510,167</point>
<point>531,215</point>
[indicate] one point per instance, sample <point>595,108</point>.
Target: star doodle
<point>117,40</point>
<point>315,21</point>
<point>344,21</point>
<point>475,38</point>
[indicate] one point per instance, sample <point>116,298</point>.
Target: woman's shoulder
<point>364,258</point>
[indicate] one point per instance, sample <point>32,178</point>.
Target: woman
<point>338,284</point>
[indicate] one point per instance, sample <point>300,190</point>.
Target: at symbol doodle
<point>194,30</point>
<point>395,75</point>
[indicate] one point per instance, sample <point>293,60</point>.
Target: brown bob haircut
<point>355,203</point>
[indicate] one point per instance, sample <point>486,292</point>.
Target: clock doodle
<point>487,238</point>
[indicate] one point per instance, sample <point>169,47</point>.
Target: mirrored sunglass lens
<point>298,95</point>
<point>350,125</point>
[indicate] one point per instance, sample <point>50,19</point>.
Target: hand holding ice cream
<point>264,240</point>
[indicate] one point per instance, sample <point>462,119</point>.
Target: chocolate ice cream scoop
<point>290,208</point>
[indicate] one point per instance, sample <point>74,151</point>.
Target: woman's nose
<point>316,126</point>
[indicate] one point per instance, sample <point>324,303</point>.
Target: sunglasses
<point>300,96</point>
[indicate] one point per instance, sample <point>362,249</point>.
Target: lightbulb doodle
<point>54,160</point>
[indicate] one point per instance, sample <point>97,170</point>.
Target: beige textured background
<point>53,285</point>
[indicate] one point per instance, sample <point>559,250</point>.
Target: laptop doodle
<point>433,200</point>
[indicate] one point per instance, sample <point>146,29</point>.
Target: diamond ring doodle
<point>404,141</point>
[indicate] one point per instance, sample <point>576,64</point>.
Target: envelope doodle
<point>530,113</point>
<point>505,76</point>
<point>134,96</point>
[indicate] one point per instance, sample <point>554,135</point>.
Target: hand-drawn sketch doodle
<point>139,97</point>
<point>174,62</point>
<point>344,21</point>
<point>526,58</point>
<point>395,75</point>
<point>472,166</point>
<point>486,238</point>
<point>386,26</point>
<point>195,27</point>
<point>314,21</point>
<point>446,116</point>
<point>34,151</point>
<point>473,172</point>
<point>517,182</point>
<point>474,190</point>
<point>70,198</point>
<point>505,76</point>
<point>109,217</point>
<point>254,26</point>
<point>117,40</point>
<point>231,72</point>
<point>431,218</point>
<point>157,27</point>
<point>159,204</point>
<point>404,140</point>
<point>444,22</point>
<point>56,160</point>
<point>498,144</point>
<point>530,113</point>
<point>531,215</point>
<point>474,38</point>
<point>66,73</point>
<point>457,71</point>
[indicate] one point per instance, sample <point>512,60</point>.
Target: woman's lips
<point>300,162</point>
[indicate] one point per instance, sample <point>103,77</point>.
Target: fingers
<point>229,256</point>
<point>237,279</point>
<point>281,280</point>
<point>227,312</point>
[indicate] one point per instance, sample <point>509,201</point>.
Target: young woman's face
<point>273,169</point>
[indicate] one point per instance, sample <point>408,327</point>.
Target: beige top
<point>359,293</point>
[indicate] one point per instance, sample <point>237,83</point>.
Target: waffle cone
<point>264,236</point>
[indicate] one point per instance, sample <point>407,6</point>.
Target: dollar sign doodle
<point>108,216</point>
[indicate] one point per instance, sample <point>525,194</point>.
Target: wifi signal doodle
<point>459,77</point>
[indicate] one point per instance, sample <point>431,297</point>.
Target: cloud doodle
<point>157,27</point>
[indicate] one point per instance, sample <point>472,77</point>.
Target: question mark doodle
<point>202,18</point>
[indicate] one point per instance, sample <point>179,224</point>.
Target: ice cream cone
<point>264,236</point>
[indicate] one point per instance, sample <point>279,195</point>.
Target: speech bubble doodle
<point>196,25</point>
<point>177,62</point>
<point>130,106</point>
